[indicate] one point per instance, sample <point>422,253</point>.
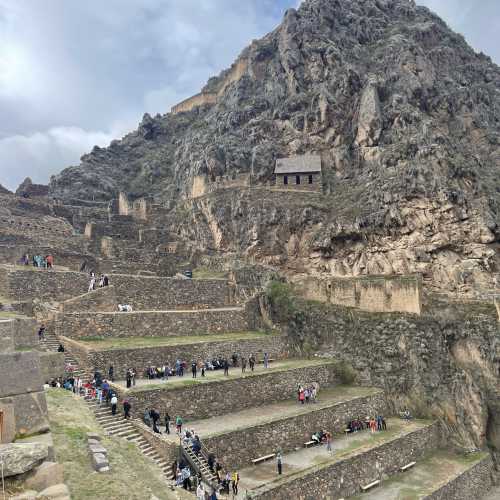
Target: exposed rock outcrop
<point>404,113</point>
<point>20,458</point>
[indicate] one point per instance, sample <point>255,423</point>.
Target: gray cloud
<point>75,74</point>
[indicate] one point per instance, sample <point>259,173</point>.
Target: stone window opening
<point>297,179</point>
<point>285,180</point>
<point>310,179</point>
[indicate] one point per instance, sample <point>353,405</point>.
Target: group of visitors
<point>46,262</point>
<point>323,436</point>
<point>95,282</point>
<point>375,424</point>
<point>307,394</point>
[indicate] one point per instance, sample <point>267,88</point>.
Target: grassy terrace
<point>132,476</point>
<point>218,375</point>
<point>105,344</point>
<point>426,477</point>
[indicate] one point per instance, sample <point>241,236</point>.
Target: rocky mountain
<point>405,115</point>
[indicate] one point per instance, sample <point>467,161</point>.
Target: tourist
<point>211,462</point>
<point>128,378</point>
<point>133,374</point>
<point>114,402</point>
<point>155,416</point>
<point>301,395</point>
<point>196,446</point>
<point>111,373</point>
<point>49,261</point>
<point>373,426</point>
<point>193,368</point>
<point>60,348</point>
<point>235,480</point>
<point>213,495</point>
<point>251,362</point>
<point>91,284</point>
<point>126,409</point>
<point>243,365</point>
<point>178,424</point>
<point>41,332</point>
<point>266,360</point>
<point>328,441</point>
<point>235,359</point>
<point>384,424</point>
<point>105,280</point>
<point>279,462</point>
<point>147,417</point>
<point>226,482</point>
<point>186,481</point>
<point>218,468</point>
<point>200,492</point>
<point>201,367</point>
<point>167,423</point>
<point>101,281</point>
<point>226,367</point>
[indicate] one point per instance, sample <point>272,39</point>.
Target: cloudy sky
<point>78,73</point>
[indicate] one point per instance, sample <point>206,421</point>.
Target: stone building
<point>299,172</point>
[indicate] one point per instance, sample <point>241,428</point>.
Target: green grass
<point>235,373</point>
<point>102,343</point>
<point>10,315</point>
<point>203,273</point>
<point>132,476</point>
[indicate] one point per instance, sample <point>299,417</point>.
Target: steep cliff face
<point>404,114</point>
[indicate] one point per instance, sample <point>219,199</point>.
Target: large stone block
<point>8,430</point>
<point>52,365</point>
<point>56,492</point>
<point>100,461</point>
<point>20,373</point>
<point>45,475</point>
<point>30,412</point>
<point>21,458</point>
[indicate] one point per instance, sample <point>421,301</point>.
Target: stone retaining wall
<point>141,292</point>
<point>102,299</point>
<point>229,395</point>
<point>238,448</point>
<point>18,333</point>
<point>166,449</point>
<point>150,324</point>
<point>473,483</point>
<point>345,478</point>
<point>51,365</point>
<point>141,358</point>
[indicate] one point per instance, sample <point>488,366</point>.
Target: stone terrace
<point>441,475</point>
<point>241,436</point>
<point>141,292</point>
<point>219,395</point>
<point>184,348</point>
<point>116,325</point>
<point>356,460</point>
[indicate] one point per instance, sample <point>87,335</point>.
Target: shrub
<point>345,372</point>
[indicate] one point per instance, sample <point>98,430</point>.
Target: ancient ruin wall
<point>264,439</point>
<point>375,294</point>
<point>81,324</point>
<point>142,358</point>
<point>201,99</point>
<point>198,401</point>
<point>142,292</point>
<point>346,477</point>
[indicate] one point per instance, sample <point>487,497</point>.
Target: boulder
<point>94,436</point>
<point>97,448</point>
<point>21,458</point>
<point>56,492</point>
<point>100,461</point>
<point>25,495</point>
<point>45,475</point>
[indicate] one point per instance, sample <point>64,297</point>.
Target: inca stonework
<point>328,206</point>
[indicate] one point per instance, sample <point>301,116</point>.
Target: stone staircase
<point>200,463</point>
<point>117,426</point>
<point>51,343</point>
